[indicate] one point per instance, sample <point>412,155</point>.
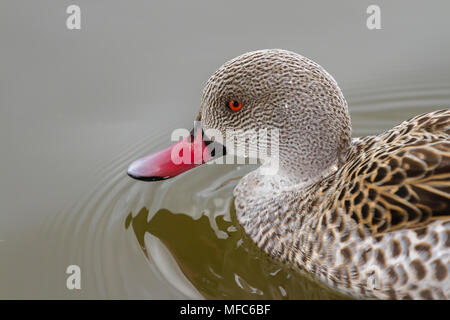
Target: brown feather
<point>400,179</point>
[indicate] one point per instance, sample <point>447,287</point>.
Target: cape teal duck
<point>368,216</point>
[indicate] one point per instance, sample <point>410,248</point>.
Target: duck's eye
<point>234,105</point>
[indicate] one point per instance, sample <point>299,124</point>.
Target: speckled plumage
<point>368,216</point>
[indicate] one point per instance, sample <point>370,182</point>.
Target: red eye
<point>234,105</point>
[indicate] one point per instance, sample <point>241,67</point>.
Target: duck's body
<point>377,227</point>
<point>368,216</point>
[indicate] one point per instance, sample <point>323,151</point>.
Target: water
<point>179,238</point>
<point>77,107</point>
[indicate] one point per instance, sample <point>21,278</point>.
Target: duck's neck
<point>304,151</point>
<point>274,210</point>
<point>291,168</point>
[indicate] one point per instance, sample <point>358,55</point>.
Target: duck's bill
<point>186,154</point>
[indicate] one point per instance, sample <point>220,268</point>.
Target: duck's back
<point>389,210</point>
<point>401,178</point>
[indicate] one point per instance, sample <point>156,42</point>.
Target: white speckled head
<point>286,91</point>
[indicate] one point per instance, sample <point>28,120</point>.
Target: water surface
<point>184,232</point>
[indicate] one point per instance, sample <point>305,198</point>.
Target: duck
<point>368,216</point>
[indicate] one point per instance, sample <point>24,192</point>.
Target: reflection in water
<point>225,268</point>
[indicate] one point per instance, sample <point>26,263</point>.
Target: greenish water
<point>228,268</point>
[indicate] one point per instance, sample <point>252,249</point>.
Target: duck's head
<point>269,90</point>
